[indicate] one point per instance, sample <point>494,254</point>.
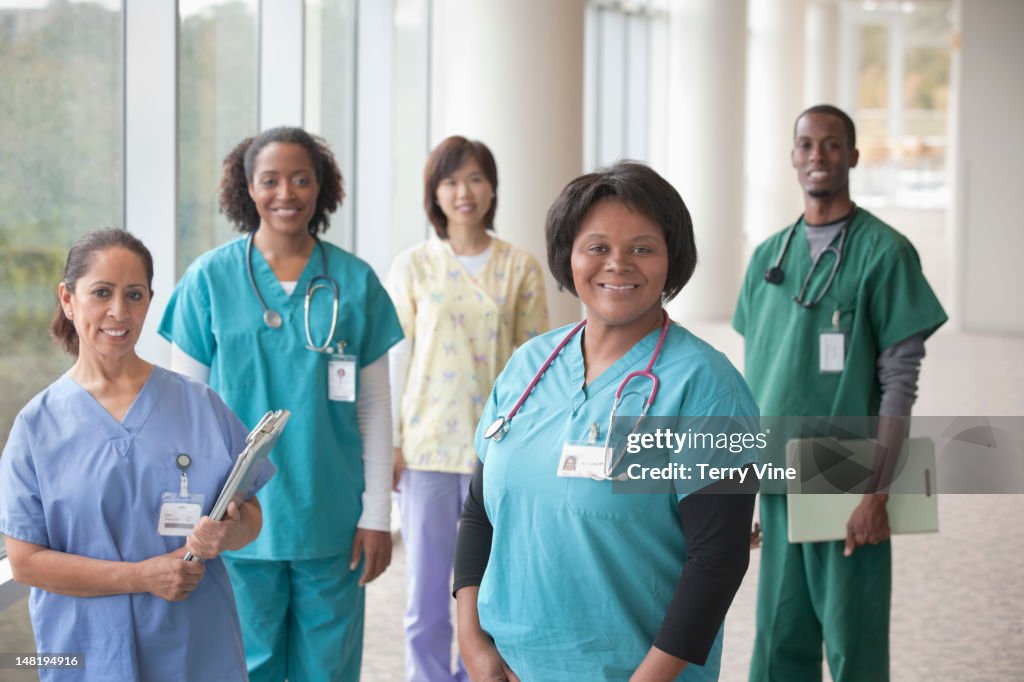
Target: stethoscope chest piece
<point>774,275</point>
<point>271,318</point>
<point>497,429</point>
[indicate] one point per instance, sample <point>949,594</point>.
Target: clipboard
<point>817,509</point>
<point>258,445</point>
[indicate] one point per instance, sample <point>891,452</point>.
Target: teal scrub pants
<point>810,592</point>
<point>301,620</point>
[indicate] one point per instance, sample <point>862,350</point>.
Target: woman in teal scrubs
<point>103,475</point>
<point>558,575</point>
<point>257,317</point>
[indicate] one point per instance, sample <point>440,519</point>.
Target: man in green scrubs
<point>849,345</point>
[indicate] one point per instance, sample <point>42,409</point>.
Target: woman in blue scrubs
<point>102,477</point>
<point>558,575</point>
<point>281,319</point>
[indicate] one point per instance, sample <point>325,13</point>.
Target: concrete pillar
<point>775,91</point>
<point>821,54</point>
<point>705,140</point>
<point>511,75</point>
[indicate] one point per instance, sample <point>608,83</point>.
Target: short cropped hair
<point>828,109</point>
<point>641,189</point>
<point>240,164</point>
<point>445,160</point>
<point>80,259</point>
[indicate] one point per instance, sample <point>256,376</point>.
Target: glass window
<point>217,108</point>
<point>330,94</point>
<point>903,69</point>
<point>62,146</point>
<point>617,69</point>
<point>411,96</point>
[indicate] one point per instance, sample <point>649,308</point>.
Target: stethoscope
<point>273,319</point>
<point>775,275</point>
<point>500,426</point>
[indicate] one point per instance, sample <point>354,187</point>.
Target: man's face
<point>821,156</point>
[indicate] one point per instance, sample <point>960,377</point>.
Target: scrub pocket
<point>591,498</point>
<point>207,472</point>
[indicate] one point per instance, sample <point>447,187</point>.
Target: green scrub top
<point>312,506</point>
<point>882,298</point>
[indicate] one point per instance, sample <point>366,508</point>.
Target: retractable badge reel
<point>180,511</point>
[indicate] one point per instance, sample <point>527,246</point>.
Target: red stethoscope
<point>500,426</point>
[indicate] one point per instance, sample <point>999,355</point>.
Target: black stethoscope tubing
<point>776,275</point>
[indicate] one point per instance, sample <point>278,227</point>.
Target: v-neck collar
<point>270,286</point>
<point>138,412</point>
<point>612,375</point>
<point>474,282</point>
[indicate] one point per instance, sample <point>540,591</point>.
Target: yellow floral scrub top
<point>462,330</point>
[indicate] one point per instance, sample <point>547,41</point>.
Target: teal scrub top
<point>882,298</point>
<point>312,506</point>
<point>579,577</point>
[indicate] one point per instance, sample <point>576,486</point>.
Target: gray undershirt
<point>899,365</point>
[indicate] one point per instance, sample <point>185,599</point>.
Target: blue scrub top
<point>311,508</point>
<point>75,480</point>
<point>579,577</point>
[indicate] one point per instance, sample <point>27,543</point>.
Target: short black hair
<point>830,110</point>
<point>445,160</point>
<point>641,189</point>
<point>240,164</point>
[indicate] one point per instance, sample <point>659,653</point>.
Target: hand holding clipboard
<point>258,445</point>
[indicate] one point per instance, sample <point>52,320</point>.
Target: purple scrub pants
<point>430,503</point>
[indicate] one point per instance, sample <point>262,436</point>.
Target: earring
<point>67,314</point>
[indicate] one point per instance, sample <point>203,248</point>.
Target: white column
<point>987,239</point>
<point>281,60</point>
<point>775,89</point>
<point>821,54</point>
<point>704,150</point>
<point>511,75</point>
<point>150,154</point>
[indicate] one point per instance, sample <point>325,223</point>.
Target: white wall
<point>988,225</point>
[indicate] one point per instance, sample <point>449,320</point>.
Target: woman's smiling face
<point>109,304</point>
<point>619,265</point>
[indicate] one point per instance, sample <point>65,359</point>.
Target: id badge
<point>582,460</point>
<point>179,514</point>
<point>341,378</point>
<point>831,351</point>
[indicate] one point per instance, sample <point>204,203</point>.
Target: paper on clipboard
<point>258,445</point>
<point>817,510</point>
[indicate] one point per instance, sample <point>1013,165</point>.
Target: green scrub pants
<point>301,620</point>
<point>810,592</point>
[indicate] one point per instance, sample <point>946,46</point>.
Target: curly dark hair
<point>80,258</point>
<point>445,160</point>
<point>643,190</point>
<point>240,163</point>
